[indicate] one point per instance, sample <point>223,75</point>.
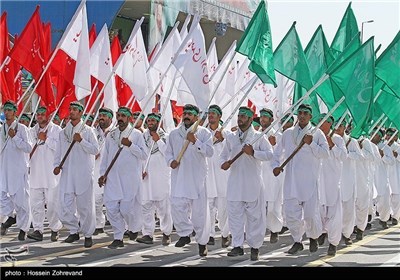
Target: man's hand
<point>144,174</point>
<point>174,164</point>
<point>126,142</point>
<point>97,156</point>
<point>42,136</point>
<point>307,139</point>
<point>226,165</point>
<point>381,152</point>
<point>155,136</point>
<point>57,170</point>
<point>191,137</point>
<point>277,171</point>
<point>218,135</point>
<point>102,181</point>
<point>272,140</point>
<point>395,154</point>
<point>248,149</point>
<point>77,137</point>
<point>11,132</point>
<point>330,142</point>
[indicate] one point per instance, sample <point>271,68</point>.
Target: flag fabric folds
<point>256,44</point>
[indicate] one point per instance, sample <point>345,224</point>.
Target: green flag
<point>355,78</point>
<point>348,28</point>
<point>290,60</point>
<point>256,44</point>
<point>390,106</point>
<point>319,57</point>
<point>387,66</point>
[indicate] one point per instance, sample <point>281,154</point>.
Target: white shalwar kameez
<point>329,190</point>
<point>217,180</point>
<point>76,210</point>
<point>395,188</point>
<point>245,191</point>
<point>44,187</point>
<point>14,180</point>
<point>122,191</point>
<point>364,182</point>
<point>189,206</point>
<point>156,187</point>
<point>300,189</point>
<point>99,192</point>
<point>348,185</point>
<point>382,182</point>
<point>273,193</point>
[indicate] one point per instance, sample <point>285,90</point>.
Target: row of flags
<point>86,66</point>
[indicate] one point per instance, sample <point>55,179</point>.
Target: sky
<point>309,14</point>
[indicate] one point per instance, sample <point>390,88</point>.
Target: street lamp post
<point>362,28</point>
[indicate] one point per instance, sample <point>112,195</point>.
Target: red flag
<point>28,50</point>
<point>92,35</point>
<point>4,42</point>
<point>124,92</point>
<point>89,101</point>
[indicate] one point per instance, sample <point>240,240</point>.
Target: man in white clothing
<point>76,210</point>
<point>44,188</point>
<point>123,183</point>
<point>329,187</point>
<point>217,179</point>
<point>245,191</point>
<point>382,178</point>
<point>300,191</point>
<point>104,124</point>
<point>156,184</point>
<point>15,146</point>
<point>348,182</point>
<point>394,175</point>
<point>273,185</point>
<point>188,179</point>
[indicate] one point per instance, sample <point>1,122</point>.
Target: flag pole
<point>312,132</point>
<point>298,102</point>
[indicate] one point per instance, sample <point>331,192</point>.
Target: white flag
<point>192,65</point>
<point>101,67</point>
<point>132,65</point>
<point>75,43</point>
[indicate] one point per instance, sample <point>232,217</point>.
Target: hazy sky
<point>309,14</point>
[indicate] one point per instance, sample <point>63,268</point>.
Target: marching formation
<point>317,182</point>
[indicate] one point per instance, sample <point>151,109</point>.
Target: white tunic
<point>188,179</point>
<point>301,173</point>
<point>124,180</point>
<point>395,188</point>
<point>217,178</point>
<point>245,181</point>
<point>157,183</point>
<point>331,171</point>
<point>77,171</point>
<point>101,139</point>
<point>348,180</point>
<point>381,172</point>
<point>14,159</point>
<point>41,172</point>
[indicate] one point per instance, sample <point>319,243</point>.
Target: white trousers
<point>163,210</point>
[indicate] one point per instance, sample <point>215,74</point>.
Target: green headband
<point>77,106</point>
<point>41,110</point>
<point>25,118</point>
<point>193,112</point>
<point>10,107</point>
<point>90,118</point>
<point>304,110</point>
<point>108,114</point>
<point>380,133</point>
<point>254,123</point>
<point>214,111</point>
<point>135,115</point>
<point>246,112</point>
<point>125,111</point>
<point>154,117</point>
<point>289,121</point>
<point>57,118</point>
<point>266,114</point>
